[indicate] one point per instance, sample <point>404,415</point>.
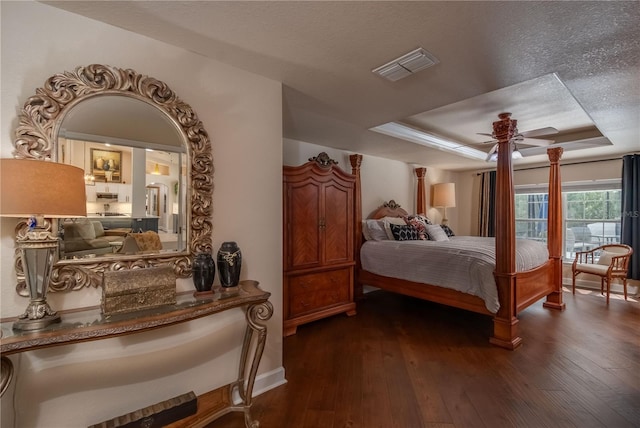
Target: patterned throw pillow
<point>388,221</point>
<point>424,218</point>
<point>436,233</point>
<point>147,241</point>
<point>404,233</point>
<point>447,230</point>
<point>419,224</point>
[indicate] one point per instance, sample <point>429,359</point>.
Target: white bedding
<point>464,263</point>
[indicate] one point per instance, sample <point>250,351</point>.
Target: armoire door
<point>303,225</point>
<point>337,221</point>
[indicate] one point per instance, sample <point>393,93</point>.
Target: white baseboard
<point>264,382</point>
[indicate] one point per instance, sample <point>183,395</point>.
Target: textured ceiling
<point>324,52</point>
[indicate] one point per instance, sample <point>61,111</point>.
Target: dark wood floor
<point>405,363</point>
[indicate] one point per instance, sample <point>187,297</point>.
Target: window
<point>591,212</point>
<point>593,218</point>
<point>531,215</point>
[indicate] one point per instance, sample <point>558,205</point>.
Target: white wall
<point>87,383</point>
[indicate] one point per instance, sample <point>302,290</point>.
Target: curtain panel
<point>487,221</point>
<point>630,225</point>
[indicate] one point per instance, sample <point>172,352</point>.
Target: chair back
<point>610,255</point>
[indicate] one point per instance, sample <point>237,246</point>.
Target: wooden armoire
<point>319,239</point>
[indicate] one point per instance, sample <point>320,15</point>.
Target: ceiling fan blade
<point>540,131</point>
<point>494,141</point>
<point>525,135</point>
<point>536,142</point>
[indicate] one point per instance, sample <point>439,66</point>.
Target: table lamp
<point>36,189</point>
<point>444,195</point>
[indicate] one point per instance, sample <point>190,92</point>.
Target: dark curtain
<point>488,204</point>
<point>630,228</point>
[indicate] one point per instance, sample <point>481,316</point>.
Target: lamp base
<point>37,316</point>
<point>28,325</point>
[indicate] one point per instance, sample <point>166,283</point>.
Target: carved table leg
<point>255,313</point>
<point>6,373</point>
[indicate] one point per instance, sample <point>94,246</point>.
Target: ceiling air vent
<point>406,65</point>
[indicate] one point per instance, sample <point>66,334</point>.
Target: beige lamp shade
<point>42,189</point>
<point>444,195</point>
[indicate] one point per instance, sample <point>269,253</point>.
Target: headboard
<point>388,209</point>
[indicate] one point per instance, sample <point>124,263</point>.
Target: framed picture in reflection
<point>106,165</point>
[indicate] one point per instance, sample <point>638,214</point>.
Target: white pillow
<point>387,229</point>
<point>605,257</point>
<point>395,220</point>
<point>374,230</point>
<point>365,231</point>
<point>436,233</point>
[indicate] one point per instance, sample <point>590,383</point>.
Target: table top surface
<point>90,324</point>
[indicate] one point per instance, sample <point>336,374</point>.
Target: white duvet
<point>464,263</point>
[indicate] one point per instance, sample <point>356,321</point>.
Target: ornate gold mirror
<point>80,118</point>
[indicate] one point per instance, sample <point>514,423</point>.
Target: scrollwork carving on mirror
<point>36,138</point>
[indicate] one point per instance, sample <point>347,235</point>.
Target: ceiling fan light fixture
<point>492,157</point>
<point>493,154</point>
<point>515,154</point>
<point>406,65</point>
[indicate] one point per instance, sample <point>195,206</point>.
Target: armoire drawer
<point>311,292</point>
<point>327,280</point>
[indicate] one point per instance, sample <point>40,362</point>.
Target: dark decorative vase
<point>229,264</point>
<point>204,272</point>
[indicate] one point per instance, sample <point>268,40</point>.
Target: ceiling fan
<point>526,138</point>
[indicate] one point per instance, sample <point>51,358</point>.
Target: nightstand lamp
<point>444,195</point>
<point>37,190</point>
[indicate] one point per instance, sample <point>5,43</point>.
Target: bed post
<point>421,203</point>
<point>554,229</point>
<point>356,161</point>
<point>505,323</point>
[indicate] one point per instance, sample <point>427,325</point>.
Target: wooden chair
<point>606,261</point>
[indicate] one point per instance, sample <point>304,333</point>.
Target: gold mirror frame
<point>36,138</point>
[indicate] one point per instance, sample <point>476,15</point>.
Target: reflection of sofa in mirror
<point>83,237</point>
<point>142,242</point>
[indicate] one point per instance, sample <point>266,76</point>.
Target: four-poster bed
<point>516,290</point>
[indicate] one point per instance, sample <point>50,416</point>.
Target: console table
<point>90,324</point>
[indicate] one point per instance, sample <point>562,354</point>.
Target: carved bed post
<point>554,228</point>
<point>356,161</point>
<point>421,203</point>
<point>505,323</point>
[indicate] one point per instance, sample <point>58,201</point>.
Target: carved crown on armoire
<point>319,241</point>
